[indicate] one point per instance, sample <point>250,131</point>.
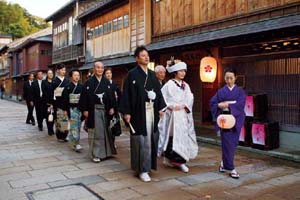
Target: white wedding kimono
<point>178,124</point>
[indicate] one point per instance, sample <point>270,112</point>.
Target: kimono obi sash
<point>58,91</point>
<point>74,98</point>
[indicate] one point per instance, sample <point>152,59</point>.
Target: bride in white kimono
<point>177,140</point>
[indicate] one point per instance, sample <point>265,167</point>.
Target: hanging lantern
<point>208,69</point>
<point>226,121</point>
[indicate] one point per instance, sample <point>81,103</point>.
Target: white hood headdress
<point>177,67</point>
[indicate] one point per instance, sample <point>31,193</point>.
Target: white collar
<point>180,82</point>
<point>99,79</point>
<point>61,78</point>
<point>231,88</point>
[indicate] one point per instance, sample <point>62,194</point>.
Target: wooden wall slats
<point>171,15</point>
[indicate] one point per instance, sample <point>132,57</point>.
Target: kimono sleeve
<point>237,108</point>
<point>214,101</point>
<point>65,99</point>
<point>160,98</point>
<point>111,100</point>
<point>83,100</point>
<point>125,107</point>
<point>189,99</point>
<point>215,111</point>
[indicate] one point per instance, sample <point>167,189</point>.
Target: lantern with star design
<point>208,69</point>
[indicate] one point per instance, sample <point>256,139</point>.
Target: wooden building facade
<point>260,38</point>
<point>27,55</point>
<point>113,29</point>
<point>68,35</point>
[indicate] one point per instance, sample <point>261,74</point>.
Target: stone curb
<point>272,153</point>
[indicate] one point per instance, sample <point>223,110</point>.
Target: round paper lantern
<point>226,121</point>
<point>208,69</point>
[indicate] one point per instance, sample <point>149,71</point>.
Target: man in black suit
<point>28,97</point>
<point>39,100</point>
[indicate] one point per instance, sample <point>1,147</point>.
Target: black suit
<point>39,102</point>
<point>48,96</point>
<point>28,97</point>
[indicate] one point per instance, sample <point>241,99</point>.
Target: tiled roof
<point>14,45</point>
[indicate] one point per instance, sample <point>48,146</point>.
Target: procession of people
<point>157,112</point>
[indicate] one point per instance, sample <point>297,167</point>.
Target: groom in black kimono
<point>142,104</point>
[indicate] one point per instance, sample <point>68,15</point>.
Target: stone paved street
<point>33,163</point>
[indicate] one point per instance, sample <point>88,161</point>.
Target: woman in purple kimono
<point>229,98</point>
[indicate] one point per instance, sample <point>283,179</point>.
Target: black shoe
<point>33,123</point>
<point>66,140</point>
<point>50,133</point>
<point>28,123</point>
<point>40,128</point>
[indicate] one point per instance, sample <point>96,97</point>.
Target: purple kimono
<point>229,138</point>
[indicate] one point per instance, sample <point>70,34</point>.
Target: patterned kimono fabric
<point>75,125</point>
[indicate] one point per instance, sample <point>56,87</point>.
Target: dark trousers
<point>30,117</point>
<point>40,113</point>
<point>49,124</point>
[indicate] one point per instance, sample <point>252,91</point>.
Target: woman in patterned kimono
<point>97,102</point>
<point>229,98</point>
<point>71,97</point>
<point>177,138</point>
<point>60,113</point>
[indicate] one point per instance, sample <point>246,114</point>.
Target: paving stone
<point>170,194</point>
<point>37,180</point>
<point>119,167</point>
<point>44,155</point>
<point>123,194</point>
<point>116,185</point>
<point>209,188</point>
<point>245,179</point>
<point>67,193</point>
<point>12,170</point>
<point>89,172</point>
<point>32,161</point>
<point>86,180</point>
<point>52,164</point>
<point>200,178</point>
<point>60,169</point>
<point>35,161</point>
<point>288,179</point>
<point>15,176</point>
<point>155,187</point>
<point>89,164</point>
<point>269,197</point>
<point>120,175</point>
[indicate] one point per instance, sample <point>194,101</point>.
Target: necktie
<point>40,86</point>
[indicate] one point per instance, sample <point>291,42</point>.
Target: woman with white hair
<point>177,139</point>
